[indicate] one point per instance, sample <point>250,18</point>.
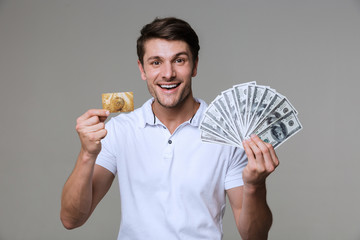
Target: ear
<point>194,71</point>
<point>142,72</point>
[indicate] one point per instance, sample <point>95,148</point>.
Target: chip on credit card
<point>118,102</point>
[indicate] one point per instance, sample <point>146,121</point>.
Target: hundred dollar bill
<point>240,102</point>
<point>210,137</point>
<point>271,106</point>
<point>232,108</point>
<point>241,92</point>
<point>280,110</point>
<point>264,104</point>
<point>221,122</point>
<point>217,114</point>
<point>224,110</point>
<point>255,101</point>
<point>281,130</point>
<point>249,97</point>
<point>209,125</point>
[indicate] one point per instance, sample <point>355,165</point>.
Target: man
<point>172,185</point>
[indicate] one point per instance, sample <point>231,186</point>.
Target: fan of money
<point>247,109</point>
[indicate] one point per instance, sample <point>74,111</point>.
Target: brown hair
<point>170,29</point>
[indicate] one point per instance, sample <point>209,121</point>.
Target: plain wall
<point>57,57</point>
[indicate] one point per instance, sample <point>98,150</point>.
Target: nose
<point>168,71</point>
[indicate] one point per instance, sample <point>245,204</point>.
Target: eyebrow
<point>181,53</point>
<point>175,56</point>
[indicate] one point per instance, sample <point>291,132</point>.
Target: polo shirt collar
<point>149,118</point>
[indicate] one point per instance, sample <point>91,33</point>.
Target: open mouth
<point>169,86</point>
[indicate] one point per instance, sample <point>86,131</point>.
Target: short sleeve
<point>107,156</point>
<point>236,165</point>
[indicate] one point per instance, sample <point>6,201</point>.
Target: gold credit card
<point>118,102</point>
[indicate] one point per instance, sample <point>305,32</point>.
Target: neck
<point>175,116</point>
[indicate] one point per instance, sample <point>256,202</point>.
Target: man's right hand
<point>91,129</point>
<point>88,182</point>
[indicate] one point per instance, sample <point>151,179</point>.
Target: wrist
<point>86,156</point>
<point>255,188</point>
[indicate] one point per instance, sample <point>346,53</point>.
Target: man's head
<point>168,57</point>
<point>168,29</point>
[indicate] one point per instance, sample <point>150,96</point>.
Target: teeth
<point>168,86</point>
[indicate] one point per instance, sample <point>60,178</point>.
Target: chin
<point>168,104</point>
<point>172,101</point>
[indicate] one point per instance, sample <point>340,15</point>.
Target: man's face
<point>168,68</point>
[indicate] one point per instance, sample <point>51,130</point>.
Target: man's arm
<point>251,211</point>
<point>88,183</point>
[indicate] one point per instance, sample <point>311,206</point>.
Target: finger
<point>97,135</point>
<point>94,128</point>
<point>254,150</point>
<point>82,126</point>
<point>267,152</point>
<point>259,143</point>
<point>94,112</point>
<point>273,154</point>
<point>90,125</point>
<point>269,162</point>
<point>91,121</point>
<point>249,153</point>
<point>247,148</point>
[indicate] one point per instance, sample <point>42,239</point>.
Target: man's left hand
<point>262,161</point>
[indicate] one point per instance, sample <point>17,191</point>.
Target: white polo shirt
<point>172,186</point>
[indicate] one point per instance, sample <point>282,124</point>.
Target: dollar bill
<point>249,98</point>
<point>220,104</point>
<point>210,137</point>
<point>255,101</point>
<point>270,107</point>
<point>232,109</point>
<point>218,115</point>
<point>217,127</point>
<point>241,92</point>
<point>280,110</point>
<point>264,103</point>
<point>281,130</point>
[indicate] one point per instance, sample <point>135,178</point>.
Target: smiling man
<point>168,67</point>
<point>172,185</point>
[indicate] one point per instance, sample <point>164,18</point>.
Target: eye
<point>180,60</point>
<point>155,63</point>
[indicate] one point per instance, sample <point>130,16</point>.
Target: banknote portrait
<point>279,131</point>
<point>272,117</point>
<point>260,109</point>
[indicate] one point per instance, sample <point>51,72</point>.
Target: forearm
<point>255,219</point>
<point>76,199</point>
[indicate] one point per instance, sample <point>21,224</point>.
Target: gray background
<point>57,57</point>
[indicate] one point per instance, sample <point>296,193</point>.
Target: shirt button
<point>170,142</point>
